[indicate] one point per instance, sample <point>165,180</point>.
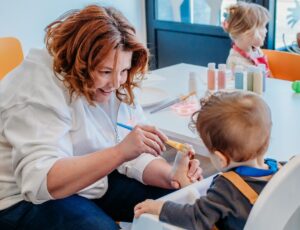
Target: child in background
<point>235,127</point>
<point>246,25</point>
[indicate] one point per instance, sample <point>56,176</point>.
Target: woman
<point>59,143</point>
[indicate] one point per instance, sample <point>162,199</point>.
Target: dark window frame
<point>153,25</point>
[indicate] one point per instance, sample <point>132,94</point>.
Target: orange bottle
<point>221,76</point>
<point>211,76</point>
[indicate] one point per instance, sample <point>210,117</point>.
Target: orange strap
<point>241,185</point>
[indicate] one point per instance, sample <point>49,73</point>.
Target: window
<point>182,30</point>
<point>207,12</point>
<point>287,23</point>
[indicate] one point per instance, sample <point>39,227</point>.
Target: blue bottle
<point>239,77</point>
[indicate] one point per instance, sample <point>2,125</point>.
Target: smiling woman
<point>112,73</point>
<point>86,48</point>
<point>60,147</point>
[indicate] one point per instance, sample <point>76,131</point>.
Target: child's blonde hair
<point>238,124</point>
<point>243,17</point>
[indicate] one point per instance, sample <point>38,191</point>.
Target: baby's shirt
<point>246,60</point>
<point>224,206</point>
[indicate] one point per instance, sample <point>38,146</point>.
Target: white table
<point>284,104</point>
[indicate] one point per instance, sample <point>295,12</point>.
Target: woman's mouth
<point>105,92</point>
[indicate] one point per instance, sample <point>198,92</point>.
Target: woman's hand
<point>142,139</point>
<point>186,170</point>
<point>148,206</point>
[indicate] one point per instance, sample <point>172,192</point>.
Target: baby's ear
<point>223,160</point>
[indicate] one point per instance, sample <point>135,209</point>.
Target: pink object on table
<point>186,108</point>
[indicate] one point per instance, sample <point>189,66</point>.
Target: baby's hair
<point>238,124</point>
<point>243,17</point>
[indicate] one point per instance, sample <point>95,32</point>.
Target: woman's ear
<point>223,160</point>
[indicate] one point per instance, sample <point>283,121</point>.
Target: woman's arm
<point>69,175</point>
<point>158,173</point>
<point>161,174</point>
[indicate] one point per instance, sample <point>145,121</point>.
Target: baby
<point>246,25</point>
<point>235,127</point>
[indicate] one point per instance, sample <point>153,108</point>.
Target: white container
<point>193,85</point>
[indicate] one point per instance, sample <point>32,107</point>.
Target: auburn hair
<point>81,39</point>
<point>238,124</point>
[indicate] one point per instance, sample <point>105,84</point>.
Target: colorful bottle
<point>211,76</point>
<point>250,71</point>
<point>258,81</point>
<point>264,73</point>
<point>221,76</point>
<point>193,86</point>
<point>239,77</point>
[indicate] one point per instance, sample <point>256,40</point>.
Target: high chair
<point>283,65</point>
<point>11,55</point>
<point>186,195</point>
<point>277,207</point>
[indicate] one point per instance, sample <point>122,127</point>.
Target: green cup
<point>296,86</point>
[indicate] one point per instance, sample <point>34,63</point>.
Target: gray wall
<point>26,19</point>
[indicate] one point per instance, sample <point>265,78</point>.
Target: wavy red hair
<point>81,39</point>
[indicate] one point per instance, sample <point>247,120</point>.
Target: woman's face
<point>108,79</point>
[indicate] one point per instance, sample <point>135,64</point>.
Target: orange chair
<point>283,65</point>
<point>11,55</point>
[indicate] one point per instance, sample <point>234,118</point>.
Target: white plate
<point>149,80</point>
<point>149,96</point>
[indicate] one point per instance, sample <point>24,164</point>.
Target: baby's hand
<point>148,206</point>
<point>185,169</point>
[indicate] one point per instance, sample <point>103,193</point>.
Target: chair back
<point>11,55</point>
<point>278,205</point>
<point>283,65</point>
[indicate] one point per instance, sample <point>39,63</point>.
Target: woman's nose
<point>116,80</point>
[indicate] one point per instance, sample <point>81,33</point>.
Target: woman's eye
<point>104,73</point>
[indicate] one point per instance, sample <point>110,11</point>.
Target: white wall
<point>26,19</point>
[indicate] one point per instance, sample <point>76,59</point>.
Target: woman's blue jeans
<point>77,212</point>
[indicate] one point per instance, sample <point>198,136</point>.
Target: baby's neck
<point>257,162</point>
<point>243,45</point>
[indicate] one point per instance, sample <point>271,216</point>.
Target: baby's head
<point>236,125</point>
<point>247,21</point>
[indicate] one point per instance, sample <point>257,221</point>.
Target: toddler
<point>246,25</point>
<point>235,127</point>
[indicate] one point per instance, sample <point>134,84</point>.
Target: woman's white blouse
<point>39,125</point>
